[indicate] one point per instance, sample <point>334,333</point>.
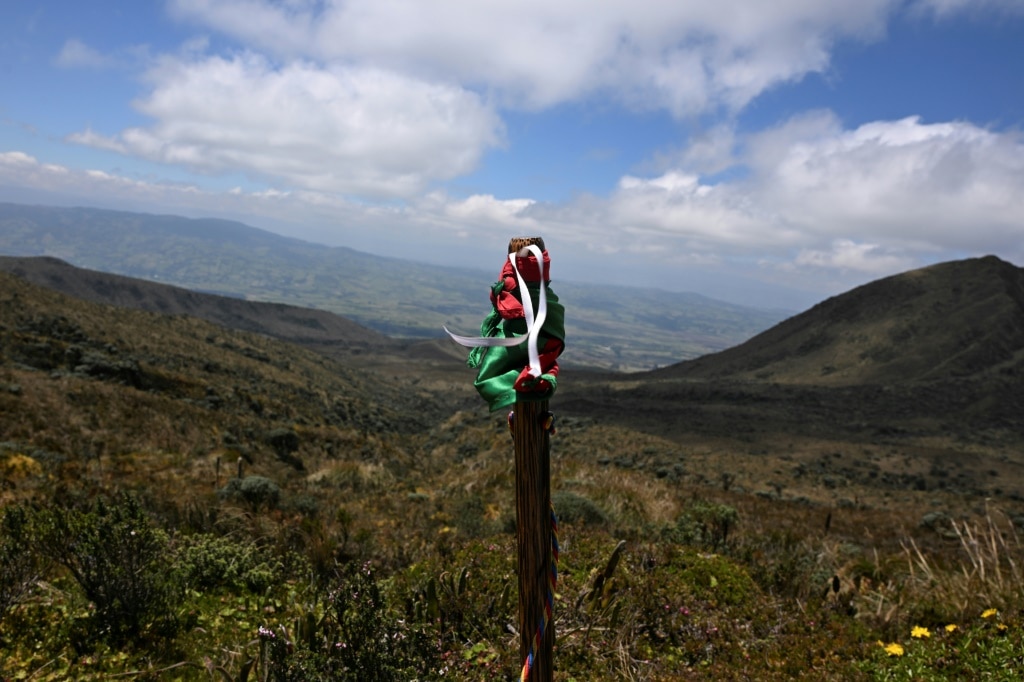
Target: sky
<point>766,153</point>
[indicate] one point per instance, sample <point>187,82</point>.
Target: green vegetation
<point>984,647</point>
<point>178,605</point>
<point>181,501</point>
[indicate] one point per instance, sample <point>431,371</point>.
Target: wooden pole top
<point>517,243</point>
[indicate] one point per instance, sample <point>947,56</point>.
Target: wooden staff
<point>533,534</point>
<point>533,521</point>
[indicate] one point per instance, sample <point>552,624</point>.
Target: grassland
<point>292,516</point>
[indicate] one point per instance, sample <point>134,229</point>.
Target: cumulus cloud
<point>76,54</point>
<point>353,130</point>
<point>685,57</point>
<point>676,209</point>
<point>846,254</point>
<point>944,186</point>
<point>389,99</point>
<point>485,209</point>
<point>946,8</point>
<point>340,108</point>
<point>814,195</point>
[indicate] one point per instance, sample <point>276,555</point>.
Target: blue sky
<point>770,153</point>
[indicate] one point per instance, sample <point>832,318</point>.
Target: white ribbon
<point>533,324</point>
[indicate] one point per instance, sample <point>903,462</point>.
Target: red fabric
<point>548,365</point>
<point>505,302</point>
<point>530,269</point>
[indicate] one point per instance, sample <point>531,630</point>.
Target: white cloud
<point>676,209</point>
<point>76,54</point>
<point>16,160</point>
<point>683,56</point>
<point>353,130</point>
<point>21,170</point>
<point>815,196</point>
<point>946,8</point>
<point>709,152</point>
<point>486,209</point>
<point>846,254</point>
<point>388,98</point>
<point>946,186</point>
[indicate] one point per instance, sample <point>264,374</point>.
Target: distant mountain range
<point>617,328</point>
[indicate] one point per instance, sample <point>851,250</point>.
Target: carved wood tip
<point>517,243</point>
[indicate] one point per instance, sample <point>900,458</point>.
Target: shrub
<point>284,441</point>
<point>208,562</point>
<point>470,517</point>
<point>21,562</point>
<point>574,509</point>
<point>256,491</point>
<point>714,577</point>
<point>706,524</point>
<point>354,640</point>
<point>120,562</point>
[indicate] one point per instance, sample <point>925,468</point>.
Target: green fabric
<point>488,328</point>
<point>500,366</point>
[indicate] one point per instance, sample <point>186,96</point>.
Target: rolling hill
<point>619,328</point>
<point>765,520</point>
<point>199,372</point>
<point>285,322</point>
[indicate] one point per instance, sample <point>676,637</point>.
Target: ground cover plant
<point>427,591</point>
<point>184,502</point>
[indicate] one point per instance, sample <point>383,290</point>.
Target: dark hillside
<point>951,320</point>
<point>82,377</point>
<point>915,379</point>
<point>290,323</point>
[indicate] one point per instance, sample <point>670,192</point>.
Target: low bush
<point>22,561</point>
<point>258,492</point>
<point>575,509</point>
<point>119,560</point>
<point>706,524</point>
<point>211,562</point>
<point>356,638</point>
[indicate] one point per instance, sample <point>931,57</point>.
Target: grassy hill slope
<point>290,323</point>
<point>709,529</point>
<point>128,382</point>
<point>949,320</point>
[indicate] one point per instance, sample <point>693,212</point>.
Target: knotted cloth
<point>516,356</point>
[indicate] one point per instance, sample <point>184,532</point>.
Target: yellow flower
<point>920,632</point>
<point>951,627</point>
<point>988,613</point>
<point>893,649</point>
<point>1002,627</point>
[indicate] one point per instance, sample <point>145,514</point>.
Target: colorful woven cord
<point>549,602</point>
<point>516,354</point>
